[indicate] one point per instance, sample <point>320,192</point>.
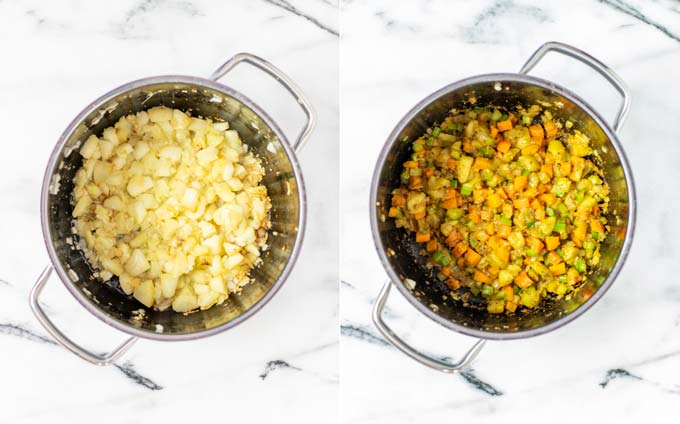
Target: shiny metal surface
<point>283,178</point>
<point>399,254</point>
<point>434,363</point>
<point>61,338</point>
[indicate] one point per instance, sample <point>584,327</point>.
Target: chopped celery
<point>466,189</point>
<point>437,256</point>
<point>454,183</point>
<point>580,265</point>
<point>487,290</point>
<point>436,132</point>
<point>549,211</point>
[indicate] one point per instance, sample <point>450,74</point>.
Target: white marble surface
<point>56,58</point>
<point>619,362</point>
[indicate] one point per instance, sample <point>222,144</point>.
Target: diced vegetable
<point>511,208</point>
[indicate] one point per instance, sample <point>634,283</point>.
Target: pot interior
<point>280,180</point>
<point>401,253</point>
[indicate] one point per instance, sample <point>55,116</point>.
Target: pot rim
<point>98,103</point>
<point>628,175</point>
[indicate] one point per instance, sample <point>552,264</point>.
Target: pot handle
<point>284,80</point>
<point>105,359</point>
<point>397,342</point>
<point>595,64</point>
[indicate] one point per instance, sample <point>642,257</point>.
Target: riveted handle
<point>601,68</point>
<point>97,359</point>
<point>282,79</point>
<point>424,359</point>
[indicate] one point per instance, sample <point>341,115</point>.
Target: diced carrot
<point>467,146</point>
<point>587,293</point>
<point>503,253</point>
<point>504,125</point>
<point>479,194</point>
<point>520,183</point>
<point>503,146</point>
<point>549,159</point>
<point>422,237</point>
<point>411,164</point>
<point>393,212</point>
<point>523,280</point>
<point>552,242</point>
<point>451,163</point>
<point>530,150</point>
<point>419,215</point>
<point>493,131</point>
<point>481,277</point>
<point>578,236</point>
<point>446,271</point>
<point>565,168</point>
<point>481,163</point>
<point>558,269</point>
<point>501,193</point>
<point>416,182</point>
<point>428,172</point>
<point>493,242</point>
<point>535,204</point>
<point>472,257</point>
<point>539,214</point>
<point>535,244</point>
<point>547,169</point>
<point>451,193</point>
<point>596,226</point>
<point>491,228</point>
<point>548,198</point>
<point>503,231</point>
<point>398,200</point>
<point>554,258</point>
<point>510,306</point>
<point>449,203</point>
<point>573,276</point>
<point>460,249</point>
<point>474,215</point>
<point>494,200</point>
<point>536,132</point>
<point>453,283</point>
<point>521,203</point>
<point>431,246</point>
<point>485,214</point>
<point>453,237</point>
<point>530,192</point>
<point>509,292</point>
<point>550,129</point>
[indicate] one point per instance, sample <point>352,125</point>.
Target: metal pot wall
<point>400,256</point>
<point>283,179</point>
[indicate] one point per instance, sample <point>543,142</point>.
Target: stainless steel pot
<point>203,97</point>
<point>400,256</point>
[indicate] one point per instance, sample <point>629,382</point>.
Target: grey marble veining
<point>58,57</point>
<point>618,362</point>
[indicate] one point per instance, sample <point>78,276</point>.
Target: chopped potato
<point>172,205</point>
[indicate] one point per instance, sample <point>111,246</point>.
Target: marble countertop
<point>619,362</point>
<point>59,56</point>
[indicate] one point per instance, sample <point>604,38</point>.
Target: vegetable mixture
<point>510,206</point>
<point>173,206</point>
